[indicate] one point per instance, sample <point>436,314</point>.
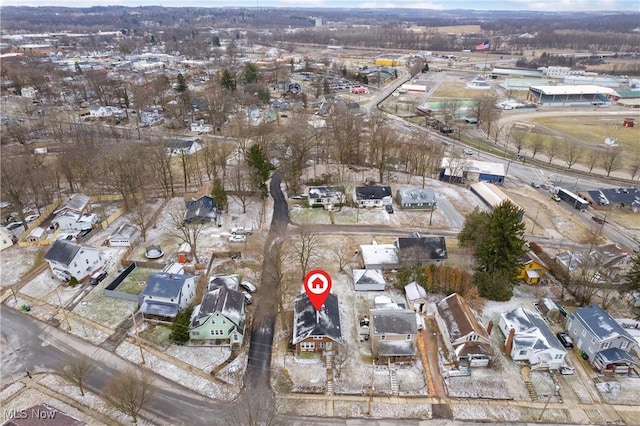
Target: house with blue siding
<point>606,343</point>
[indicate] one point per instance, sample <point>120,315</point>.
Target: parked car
<point>599,220</point>
<point>247,297</point>
<point>467,151</point>
<point>247,286</point>
<point>389,208</point>
<point>535,185</point>
<point>31,217</point>
<point>565,340</point>
<point>98,277</point>
<point>237,239</point>
<point>241,230</point>
<point>554,197</point>
<point>14,225</point>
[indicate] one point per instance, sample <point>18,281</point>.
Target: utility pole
<point>15,351</point>
<point>135,329</point>
<point>64,312</point>
<point>557,389</point>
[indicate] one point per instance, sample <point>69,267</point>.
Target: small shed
<point>628,122</point>
<point>184,252</point>
<point>550,309</point>
<point>368,280</point>
<point>38,234</point>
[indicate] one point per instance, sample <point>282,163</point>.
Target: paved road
<point>39,348</point>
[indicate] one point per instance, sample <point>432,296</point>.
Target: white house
<point>416,297</point>
<point>69,221</point>
<point>529,338</point>
<point>99,111</point>
<point>5,238</point>
<point>183,146</point>
<point>28,92</point>
<point>372,196</point>
<point>67,259</point>
<point>76,203</point>
<point>326,196</point>
<point>166,294</point>
<point>124,236</point>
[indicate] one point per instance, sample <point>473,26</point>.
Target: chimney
<point>509,343</point>
<point>489,328</point>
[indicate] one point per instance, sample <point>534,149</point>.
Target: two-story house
<point>200,210</point>
<point>316,331</point>
<point>467,341</point>
<point>529,338</point>
<point>70,221</point>
<point>392,333</point>
<point>326,196</point>
<point>602,339</point>
<point>166,294</point>
<point>532,268</point>
<point>220,317</point>
<point>67,259</point>
<point>417,250</point>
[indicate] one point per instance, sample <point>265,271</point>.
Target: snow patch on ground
<point>205,358</point>
<point>174,373</point>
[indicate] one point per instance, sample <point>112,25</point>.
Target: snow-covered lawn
<point>629,392</point>
<point>16,261</point>
<point>175,373</point>
<point>108,311</point>
<point>233,372</point>
<point>503,413</point>
<point>205,358</point>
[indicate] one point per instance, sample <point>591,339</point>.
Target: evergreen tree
<point>497,239</point>
<point>251,73</point>
<point>180,327</point>
<point>260,168</point>
<point>182,83</point>
<point>227,81</point>
<point>631,280</point>
<point>219,195</point>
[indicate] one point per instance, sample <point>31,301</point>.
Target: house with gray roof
<point>67,259</point>
<point>528,338</point>
<point>465,338</point>
<point>166,294</point>
<point>316,331</point>
<point>417,250</point>
<point>184,146</point>
<point>219,317</point>
<point>201,210</point>
<point>76,203</point>
<point>416,199</point>
<point>218,281</point>
<point>372,196</point>
<point>326,196</point>
<point>596,333</point>
<point>392,333</point>
<point>368,280</point>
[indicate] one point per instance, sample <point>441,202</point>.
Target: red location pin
<point>317,284</point>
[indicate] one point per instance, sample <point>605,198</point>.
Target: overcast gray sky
<point>537,5</point>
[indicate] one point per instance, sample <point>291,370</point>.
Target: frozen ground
<point>12,269</point>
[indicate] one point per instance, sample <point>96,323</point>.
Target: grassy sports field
<point>593,131</point>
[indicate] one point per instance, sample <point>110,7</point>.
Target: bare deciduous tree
<point>342,255</point>
<point>572,153</point>
<point>187,232</point>
<point>129,391</point>
<point>536,144</point>
<point>610,159</point>
<point>552,149</point>
<point>77,370</point>
<point>241,185</point>
<point>306,245</point>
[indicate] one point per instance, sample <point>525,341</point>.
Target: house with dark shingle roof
<point>467,341</point>
<point>372,196</point>
<point>220,316</point>
<point>67,259</point>
<point>200,210</point>
<point>392,332</point>
<point>166,294</point>
<point>316,331</point>
<point>417,250</point>
<point>606,343</point>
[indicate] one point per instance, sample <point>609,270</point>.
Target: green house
<point>220,317</point>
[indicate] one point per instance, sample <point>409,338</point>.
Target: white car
<point>241,231</point>
<point>247,297</point>
<point>248,287</point>
<point>31,217</point>
<point>467,151</point>
<point>237,239</point>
